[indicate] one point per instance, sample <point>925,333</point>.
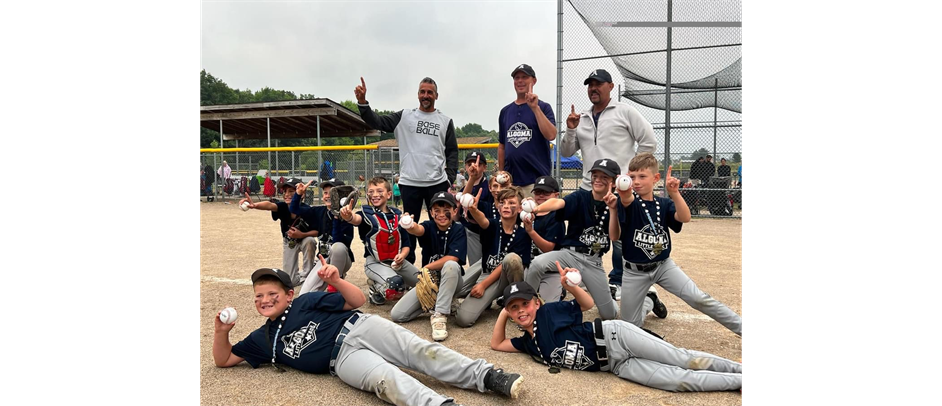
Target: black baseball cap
<point>331,182</point>
<point>474,156</point>
<point>600,75</point>
<point>525,69</point>
<point>444,197</point>
<point>606,166</point>
<point>518,290</point>
<point>290,182</point>
<point>281,275</point>
<point>547,183</point>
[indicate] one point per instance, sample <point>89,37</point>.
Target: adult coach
<point>525,129</point>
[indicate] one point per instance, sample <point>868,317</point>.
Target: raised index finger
<point>669,167</point>
<point>573,109</point>
<point>323,261</point>
<point>362,82</point>
<point>560,268</point>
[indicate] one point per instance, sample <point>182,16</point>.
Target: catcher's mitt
<point>337,193</point>
<point>426,290</point>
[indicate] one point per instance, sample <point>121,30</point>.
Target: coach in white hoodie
<point>609,129</point>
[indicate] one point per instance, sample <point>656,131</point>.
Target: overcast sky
<point>469,48</point>
<point>323,48</point>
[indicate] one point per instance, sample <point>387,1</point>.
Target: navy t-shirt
<point>637,237</point>
<point>485,205</point>
<point>306,338</point>
<point>526,150</point>
<point>584,228</point>
<point>340,231</point>
<point>551,229</point>
<point>436,244</point>
<point>489,209</point>
<point>494,242</point>
<point>308,219</point>
<point>565,341</point>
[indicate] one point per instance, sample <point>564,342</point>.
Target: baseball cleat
<point>503,383</point>
<point>376,298</point>
<point>659,309</point>
<point>439,327</point>
<point>616,291</point>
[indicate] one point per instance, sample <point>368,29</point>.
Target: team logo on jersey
<point>571,356</point>
<point>595,235</point>
<point>645,239</point>
<point>299,340</point>
<point>494,260</point>
<point>519,133</point>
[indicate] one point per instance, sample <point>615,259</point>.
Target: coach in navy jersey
<point>527,125</point>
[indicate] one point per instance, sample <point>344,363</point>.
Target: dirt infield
<point>235,243</point>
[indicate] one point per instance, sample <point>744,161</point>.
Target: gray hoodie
<point>428,147</point>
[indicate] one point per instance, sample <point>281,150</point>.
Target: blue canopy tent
<point>566,163</point>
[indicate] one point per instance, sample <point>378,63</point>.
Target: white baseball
<point>529,205</point>
<point>406,222</point>
<point>467,200</point>
<point>458,196</point>
<point>623,182</point>
<point>245,206</point>
<point>343,201</point>
<point>524,216</point>
<point>501,178</point>
<point>228,315</point>
<point>573,278</point>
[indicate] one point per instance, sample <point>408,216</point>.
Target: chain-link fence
<point>678,63</point>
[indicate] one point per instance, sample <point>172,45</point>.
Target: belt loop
<point>601,352</point>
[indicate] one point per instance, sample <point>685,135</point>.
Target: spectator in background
<point>525,128</point>
<point>709,168</point>
<point>224,172</point>
<point>396,194</point>
<point>327,170</point>
<point>739,174</point>
<point>460,180</point>
<point>724,169</point>
<point>696,171</point>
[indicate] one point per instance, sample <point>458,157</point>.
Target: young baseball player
<point>476,166</point>
<point>321,333</point>
<point>555,335</point>
<point>646,242</point>
<point>591,216</point>
<point>338,253</point>
<point>444,248</point>
<point>298,232</point>
<point>506,244</point>
<point>386,243</point>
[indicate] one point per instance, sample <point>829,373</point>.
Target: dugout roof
<point>288,119</point>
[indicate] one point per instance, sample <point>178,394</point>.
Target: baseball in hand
<point>501,178</point>
<point>245,206</point>
<point>529,205</point>
<point>623,182</point>
<point>524,216</point>
<point>343,201</point>
<point>228,315</point>
<point>467,200</point>
<point>406,222</point>
<point>458,196</point>
<point>573,278</point>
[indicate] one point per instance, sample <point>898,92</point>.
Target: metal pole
<point>268,126</point>
<point>619,92</point>
<point>276,156</point>
<point>237,156</point>
<point>667,93</point>
<point>320,157</point>
<point>365,159</point>
<point>222,158</point>
<point>292,165</point>
<point>715,108</point>
<point>560,122</point>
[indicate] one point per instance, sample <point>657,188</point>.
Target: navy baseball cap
<point>332,182</point>
<point>518,290</point>
<point>600,75</point>
<point>474,156</point>
<point>290,182</point>
<point>281,275</point>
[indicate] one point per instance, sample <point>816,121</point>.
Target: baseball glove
<point>342,194</point>
<point>426,290</point>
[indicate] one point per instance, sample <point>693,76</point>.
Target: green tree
<point>737,157</point>
<point>702,152</point>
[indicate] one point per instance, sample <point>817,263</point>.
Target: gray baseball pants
<point>408,308</point>
<point>470,310</point>
<point>336,256</point>
<point>289,258</point>
<point>474,246</point>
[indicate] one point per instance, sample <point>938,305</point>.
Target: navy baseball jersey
<point>309,219</point>
<point>494,244</point>
<point>584,214</point>
<point>638,238</point>
<point>565,341</point>
<point>551,229</point>
<point>437,244</point>
<point>485,205</point>
<point>526,150</point>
